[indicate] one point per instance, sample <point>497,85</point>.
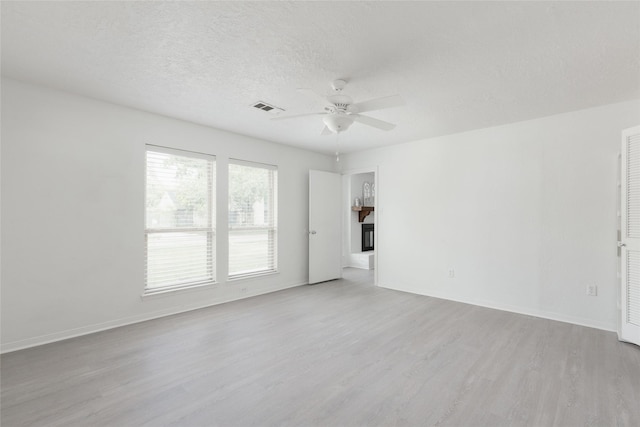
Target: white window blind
<point>632,228</point>
<point>633,184</point>
<point>180,235</point>
<point>252,218</point>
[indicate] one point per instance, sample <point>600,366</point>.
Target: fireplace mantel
<point>363,211</point>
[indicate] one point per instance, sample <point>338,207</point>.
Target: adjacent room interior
<point>358,191</point>
<point>320,213</point>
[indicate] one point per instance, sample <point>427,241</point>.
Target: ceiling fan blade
<point>378,104</point>
<point>299,115</point>
<point>376,123</point>
<point>326,131</point>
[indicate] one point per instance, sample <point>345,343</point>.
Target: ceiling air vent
<point>260,105</point>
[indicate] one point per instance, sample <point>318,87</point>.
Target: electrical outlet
<point>592,290</point>
<point>452,273</point>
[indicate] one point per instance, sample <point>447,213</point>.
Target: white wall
<point>525,214</point>
<point>73,213</point>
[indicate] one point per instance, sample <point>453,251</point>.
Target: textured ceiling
<point>458,65</point>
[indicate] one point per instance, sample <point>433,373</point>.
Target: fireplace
<point>367,237</point>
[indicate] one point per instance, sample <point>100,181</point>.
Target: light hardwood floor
<point>341,353</point>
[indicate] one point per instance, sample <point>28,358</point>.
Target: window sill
<point>177,289</point>
<point>252,275</point>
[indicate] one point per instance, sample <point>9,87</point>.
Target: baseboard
<point>527,311</point>
<point>99,327</point>
<point>86,330</point>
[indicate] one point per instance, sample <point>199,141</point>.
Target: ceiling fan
<point>340,111</point>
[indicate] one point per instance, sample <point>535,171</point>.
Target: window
<point>252,218</point>
<point>180,234</point>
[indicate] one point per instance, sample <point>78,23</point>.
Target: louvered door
<point>630,243</point>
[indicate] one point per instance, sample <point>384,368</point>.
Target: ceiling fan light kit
<point>337,122</point>
<point>338,85</point>
<point>340,111</point>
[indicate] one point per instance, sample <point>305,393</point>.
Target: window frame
<point>271,229</point>
<point>210,230</point>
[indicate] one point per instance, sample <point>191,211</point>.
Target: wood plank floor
<point>341,353</point>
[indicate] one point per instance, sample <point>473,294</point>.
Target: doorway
<point>360,222</point>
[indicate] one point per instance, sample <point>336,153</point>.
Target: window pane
<point>250,196</point>
<point>179,191</point>
<point>251,251</point>
<point>179,219</point>
<point>252,218</point>
<point>177,258</point>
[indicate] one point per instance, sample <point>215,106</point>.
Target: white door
<point>325,226</point>
<point>630,243</point>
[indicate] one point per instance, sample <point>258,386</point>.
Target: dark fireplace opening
<point>367,237</point>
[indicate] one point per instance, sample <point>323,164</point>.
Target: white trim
<point>378,206</point>
<point>252,164</point>
<point>271,228</point>
<point>357,171</point>
<point>179,152</point>
<point>244,276</point>
<point>618,189</point>
<point>210,261</point>
<point>98,327</point>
